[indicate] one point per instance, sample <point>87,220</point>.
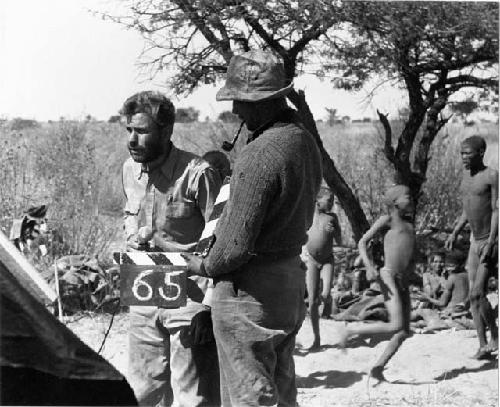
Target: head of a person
<point>398,198</point>
<point>437,262</point>
<point>472,152</point>
<point>219,161</point>
<point>149,118</point>
<point>257,85</point>
<point>325,199</point>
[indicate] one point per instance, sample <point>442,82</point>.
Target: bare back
<point>477,198</point>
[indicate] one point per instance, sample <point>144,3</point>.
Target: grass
<point>75,168</point>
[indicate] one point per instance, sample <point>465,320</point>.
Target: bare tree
<point>432,49</point>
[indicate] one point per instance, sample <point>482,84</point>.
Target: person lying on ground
<point>399,252</point>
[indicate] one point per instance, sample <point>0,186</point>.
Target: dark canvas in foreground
<point>43,362</point>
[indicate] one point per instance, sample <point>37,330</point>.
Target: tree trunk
<point>334,180</point>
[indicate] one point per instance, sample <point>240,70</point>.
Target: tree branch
<point>222,47</point>
<point>388,148</point>
<point>262,33</point>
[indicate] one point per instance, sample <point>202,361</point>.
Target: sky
<point>59,60</point>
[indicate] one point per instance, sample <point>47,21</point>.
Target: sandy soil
<point>429,369</point>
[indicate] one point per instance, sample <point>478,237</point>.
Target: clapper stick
<point>58,292</point>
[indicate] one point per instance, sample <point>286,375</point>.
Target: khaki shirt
<point>174,196</point>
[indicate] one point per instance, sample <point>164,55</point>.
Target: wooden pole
<point>59,304</point>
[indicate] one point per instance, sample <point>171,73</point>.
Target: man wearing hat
<point>170,195</point>
<point>480,209</point>
<point>258,300</point>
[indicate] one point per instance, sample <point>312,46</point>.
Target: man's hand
<point>448,245</point>
<point>422,297</point>
<point>201,330</point>
<point>134,244</point>
<point>139,241</point>
<point>371,272</point>
<point>486,253</point>
<point>194,264</point>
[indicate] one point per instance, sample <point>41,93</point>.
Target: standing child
<point>319,258</point>
<point>399,252</point>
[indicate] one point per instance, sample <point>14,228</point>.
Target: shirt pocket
<point>179,210</point>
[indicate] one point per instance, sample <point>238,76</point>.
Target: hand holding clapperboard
<point>159,278</point>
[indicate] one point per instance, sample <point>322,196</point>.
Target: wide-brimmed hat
<point>254,76</point>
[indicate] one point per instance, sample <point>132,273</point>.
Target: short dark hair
<point>476,142</point>
<point>155,104</point>
<point>437,252</point>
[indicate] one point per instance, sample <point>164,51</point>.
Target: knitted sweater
<point>272,194</point>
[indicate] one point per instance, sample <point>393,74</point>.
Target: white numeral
<point>138,282</point>
<point>169,283</point>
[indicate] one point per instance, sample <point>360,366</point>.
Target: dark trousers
<point>256,315</point>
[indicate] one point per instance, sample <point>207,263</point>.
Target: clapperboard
<point>207,238</point>
<point>152,279</point>
<point>159,279</point>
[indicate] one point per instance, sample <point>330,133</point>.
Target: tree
<point>186,115</point>
<point>196,40</point>
<point>433,49</point>
<point>18,123</point>
<point>332,116</point>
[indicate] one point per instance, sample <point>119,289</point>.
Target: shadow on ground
<point>329,379</point>
<point>451,374</point>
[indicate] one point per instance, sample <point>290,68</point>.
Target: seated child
<point>319,258</point>
<point>453,302</point>
<point>434,278</point>
<point>399,262</point>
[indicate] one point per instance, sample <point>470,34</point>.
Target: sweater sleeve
<point>254,184</point>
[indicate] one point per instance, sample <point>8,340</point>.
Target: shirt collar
<point>165,162</point>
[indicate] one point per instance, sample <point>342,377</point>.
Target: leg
<point>255,318</point>
<point>327,277</point>
<point>312,280</point>
<point>285,373</point>
<point>148,369</point>
<point>195,373</point>
<point>481,310</point>
<point>399,308</point>
<point>399,311</point>
<point>476,291</point>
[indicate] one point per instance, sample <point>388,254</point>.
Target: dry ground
<point>432,369</point>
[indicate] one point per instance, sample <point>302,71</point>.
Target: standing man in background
<point>170,194</point>
<point>258,301</point>
<point>480,209</point>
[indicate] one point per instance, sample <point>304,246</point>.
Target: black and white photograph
<point>216,203</point>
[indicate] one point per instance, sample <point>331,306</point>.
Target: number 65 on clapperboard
<point>152,279</point>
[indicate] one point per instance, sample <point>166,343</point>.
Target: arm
<point>337,230</point>
<point>445,296</point>
<point>253,185</point>
<point>460,223</point>
<point>426,284</point>
<point>379,225</point>
<point>131,211</point>
<point>208,187</point>
<point>494,216</point>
